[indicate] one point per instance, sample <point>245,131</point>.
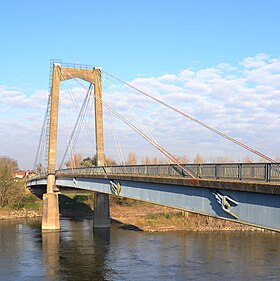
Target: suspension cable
<point>156,145</point>
<point>77,125</point>
<point>145,130</point>
<point>42,134</point>
<point>115,136</point>
<point>78,110</point>
<point>195,120</point>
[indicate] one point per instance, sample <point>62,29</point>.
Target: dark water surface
<point>79,253</point>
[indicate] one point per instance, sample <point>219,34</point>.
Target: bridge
<point>243,192</point>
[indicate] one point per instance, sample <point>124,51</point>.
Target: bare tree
<point>155,160</point>
<point>183,159</point>
<point>198,159</point>
<point>131,158</point>
<point>9,163</point>
<point>223,159</point>
<point>146,161</point>
<point>74,161</point>
<point>247,159</point>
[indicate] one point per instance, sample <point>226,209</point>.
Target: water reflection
<point>76,254</point>
<point>50,247</point>
<point>79,252</point>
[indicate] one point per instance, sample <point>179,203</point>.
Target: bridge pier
<point>50,219</point>
<point>101,217</point>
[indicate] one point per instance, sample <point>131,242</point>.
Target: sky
<point>216,60</point>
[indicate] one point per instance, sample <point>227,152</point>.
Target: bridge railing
<point>267,172</point>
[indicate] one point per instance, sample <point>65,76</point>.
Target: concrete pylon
<point>50,218</point>
<point>101,217</point>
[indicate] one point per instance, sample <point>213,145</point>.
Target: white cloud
<point>168,78</point>
<point>242,100</point>
<point>255,62</point>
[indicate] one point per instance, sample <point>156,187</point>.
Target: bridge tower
<point>60,73</point>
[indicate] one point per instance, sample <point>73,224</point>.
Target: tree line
<point>78,161</point>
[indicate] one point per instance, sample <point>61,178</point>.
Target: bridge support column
<point>101,218</point>
<point>50,219</point>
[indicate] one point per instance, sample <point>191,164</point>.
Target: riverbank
<point>7,213</point>
<point>155,218</point>
<point>134,215</point>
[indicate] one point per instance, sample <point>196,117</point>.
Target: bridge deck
<point>253,201</point>
<point>254,177</point>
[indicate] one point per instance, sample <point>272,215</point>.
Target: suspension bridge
<point>243,192</point>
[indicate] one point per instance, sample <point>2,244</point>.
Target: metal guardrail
<point>263,172</point>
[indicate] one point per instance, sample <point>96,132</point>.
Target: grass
<point>164,216</point>
<point>29,201</point>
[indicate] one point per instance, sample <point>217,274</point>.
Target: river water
<point>79,253</point>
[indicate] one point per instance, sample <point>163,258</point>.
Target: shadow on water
<point>121,225</point>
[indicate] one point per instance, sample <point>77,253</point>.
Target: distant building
<point>20,174</point>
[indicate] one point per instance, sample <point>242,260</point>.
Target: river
<point>79,253</point>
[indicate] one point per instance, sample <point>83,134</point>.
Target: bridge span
<point>246,193</point>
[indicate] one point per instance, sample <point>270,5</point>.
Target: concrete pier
<point>50,219</point>
<point>101,217</point>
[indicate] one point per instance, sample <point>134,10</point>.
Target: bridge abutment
<point>101,217</point>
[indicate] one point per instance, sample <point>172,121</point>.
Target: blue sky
<point>131,39</point>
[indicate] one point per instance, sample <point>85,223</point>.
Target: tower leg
<point>101,218</point>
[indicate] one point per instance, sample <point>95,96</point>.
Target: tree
<point>109,161</point>
<point>92,161</point>
<point>11,190</point>
<point>89,161</point>
<point>74,161</point>
<point>147,160</point>
<point>198,159</point>
<point>39,168</point>
<point>183,159</point>
<point>9,163</point>
<point>131,158</point>
<point>223,159</point>
<point>247,159</point>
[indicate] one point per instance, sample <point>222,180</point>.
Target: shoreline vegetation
<point>130,214</point>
